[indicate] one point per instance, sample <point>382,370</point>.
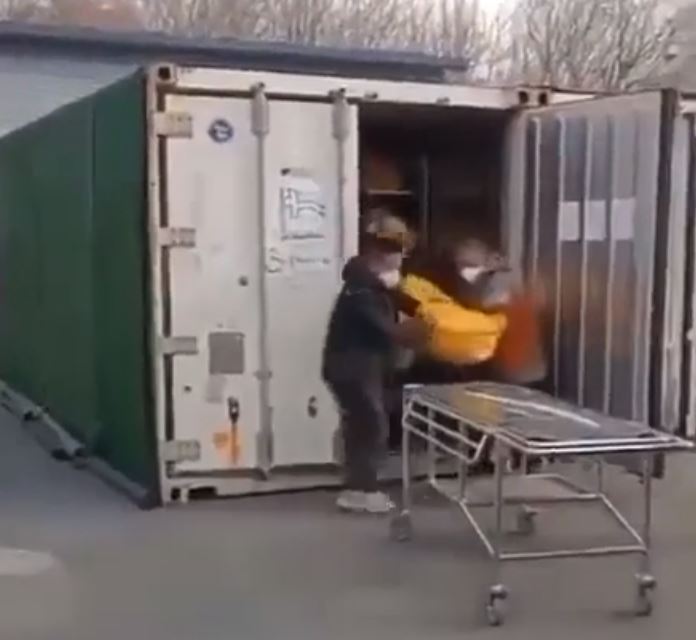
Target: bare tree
<point>94,13</point>
<point>202,17</point>
<point>19,10</point>
<point>452,28</point>
<point>300,21</point>
<point>593,44</point>
<point>369,24</point>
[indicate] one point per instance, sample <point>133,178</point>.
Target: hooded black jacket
<point>361,337</point>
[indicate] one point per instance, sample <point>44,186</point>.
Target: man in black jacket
<point>363,334</point>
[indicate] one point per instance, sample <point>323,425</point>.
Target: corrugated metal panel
<point>147,48</point>
<point>33,87</point>
<point>72,254</point>
<point>593,235</point>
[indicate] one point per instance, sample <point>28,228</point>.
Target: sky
<point>490,5</point>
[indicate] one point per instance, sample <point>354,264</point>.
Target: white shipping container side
<point>691,338</point>
<point>676,280</point>
<point>308,172</point>
<point>310,199</point>
<point>310,182</point>
<point>154,174</point>
<point>304,264</point>
<point>308,86</point>
<point>214,286</point>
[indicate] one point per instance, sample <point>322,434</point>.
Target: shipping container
<point>173,243</point>
<point>74,312</point>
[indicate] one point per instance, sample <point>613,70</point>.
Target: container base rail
<point>514,426</point>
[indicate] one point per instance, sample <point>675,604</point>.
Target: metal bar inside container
<point>611,276</point>
<point>536,212</point>
<point>559,257</point>
<point>582,342</point>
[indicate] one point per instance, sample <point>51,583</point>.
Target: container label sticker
<point>569,222</point>
<point>596,220</point>
<point>221,131</point>
<point>303,208</point>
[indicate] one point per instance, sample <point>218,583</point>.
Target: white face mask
<point>390,279</point>
<point>471,274</point>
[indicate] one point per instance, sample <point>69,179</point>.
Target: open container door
<point>588,213</point>
<point>251,237</point>
<point>688,381</point>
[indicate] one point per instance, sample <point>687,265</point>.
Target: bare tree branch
<point>593,44</point>
<point>19,10</point>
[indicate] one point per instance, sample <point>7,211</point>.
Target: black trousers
<point>365,425</point>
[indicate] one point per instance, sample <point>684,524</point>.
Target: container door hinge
<point>173,124</point>
<point>177,237</point>
<point>687,106</point>
<point>176,451</point>
<point>341,116</point>
<point>178,346</point>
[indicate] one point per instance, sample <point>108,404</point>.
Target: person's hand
<point>496,262</point>
<point>413,333</point>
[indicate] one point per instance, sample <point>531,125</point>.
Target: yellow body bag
<point>458,335</point>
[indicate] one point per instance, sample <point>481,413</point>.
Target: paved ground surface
<point>290,568</point>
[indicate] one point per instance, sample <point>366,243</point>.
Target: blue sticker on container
<point>221,131</point>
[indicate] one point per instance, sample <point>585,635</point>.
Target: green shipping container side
<point>73,287</point>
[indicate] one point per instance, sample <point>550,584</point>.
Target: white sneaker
<point>355,501</point>
<point>378,502</point>
<point>361,502</point>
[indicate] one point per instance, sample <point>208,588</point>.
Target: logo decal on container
<point>221,131</point>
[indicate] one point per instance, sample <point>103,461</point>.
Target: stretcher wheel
<point>494,609</point>
<point>526,521</point>
<point>494,615</point>
<point>644,605</point>
<point>401,527</point>
<point>644,602</point>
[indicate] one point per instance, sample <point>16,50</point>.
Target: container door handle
<point>233,412</point>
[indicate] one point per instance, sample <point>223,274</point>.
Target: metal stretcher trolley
<point>513,425</point>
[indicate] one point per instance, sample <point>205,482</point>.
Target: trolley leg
<point>400,526</point>
<point>462,468</point>
<point>646,581</point>
<point>431,450</point>
<point>498,593</point>
<point>406,472</point>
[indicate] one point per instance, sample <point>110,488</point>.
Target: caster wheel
<point>401,528</point>
<point>526,521</point>
<point>644,601</point>
<point>494,609</point>
<point>494,615</point>
<point>644,605</point>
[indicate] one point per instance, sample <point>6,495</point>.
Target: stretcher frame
<point>420,421</point>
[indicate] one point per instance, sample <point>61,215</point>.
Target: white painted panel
<point>214,287</point>
<point>675,293</point>
<point>569,221</point>
<point>208,79</point>
<point>303,236</point>
<point>596,221</point>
